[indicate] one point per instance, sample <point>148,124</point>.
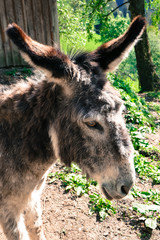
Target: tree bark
<point>146,70</point>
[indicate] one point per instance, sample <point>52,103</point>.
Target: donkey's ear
<point>48,58</point>
<point>110,54</point>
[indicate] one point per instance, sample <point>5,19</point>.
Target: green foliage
<point>138,138</point>
<point>155,95</point>
<point>93,43</point>
<point>24,72</point>
<point>137,109</point>
<point>101,206</point>
<point>154,40</point>
<point>72,180</point>
<point>129,68</point>
<point>154,6</point>
<point>112,27</point>
<point>149,213</point>
<point>95,10</point>
<point>98,12</point>
<point>11,72</point>
<point>155,107</point>
<point>148,196</point>
<point>71,25</point>
<point>78,18</point>
<point>147,168</point>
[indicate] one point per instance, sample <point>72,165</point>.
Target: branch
<point>128,75</point>
<point>115,9</point>
<point>98,4</point>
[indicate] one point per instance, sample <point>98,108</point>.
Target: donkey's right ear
<point>48,58</point>
<point>109,55</point>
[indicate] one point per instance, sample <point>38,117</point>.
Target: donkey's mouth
<point>106,193</point>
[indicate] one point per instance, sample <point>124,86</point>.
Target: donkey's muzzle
<point>106,193</point>
<point>116,191</point>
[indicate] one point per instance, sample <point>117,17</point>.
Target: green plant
<point>153,95</point>
<point>155,15</point>
<point>112,27</point>
<point>154,40</point>
<point>148,196</point>
<point>11,72</point>
<point>138,111</point>
<point>147,168</point>
<point>149,214</point>
<point>72,180</point>
<point>71,26</point>
<point>101,206</point>
<point>27,71</point>
<point>24,72</point>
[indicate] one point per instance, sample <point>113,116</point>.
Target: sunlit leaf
<point>151,223</point>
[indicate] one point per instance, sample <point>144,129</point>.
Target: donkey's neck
<point>28,109</point>
<point>19,100</point>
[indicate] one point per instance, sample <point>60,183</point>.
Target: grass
<point>67,44</point>
<point>93,44</point>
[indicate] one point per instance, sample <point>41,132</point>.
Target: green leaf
<point>151,223</point>
<point>102,214</point>
<point>143,208</point>
<point>80,191</point>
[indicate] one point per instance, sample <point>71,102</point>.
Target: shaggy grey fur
<point>75,115</point>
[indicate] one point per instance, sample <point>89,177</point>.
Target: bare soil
<point>67,217</point>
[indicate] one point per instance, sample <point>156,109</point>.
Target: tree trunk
<point>146,70</point>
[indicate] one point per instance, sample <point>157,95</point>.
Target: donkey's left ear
<point>51,60</point>
<point>110,54</point>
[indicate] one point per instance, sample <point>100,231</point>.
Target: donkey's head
<point>89,128</point>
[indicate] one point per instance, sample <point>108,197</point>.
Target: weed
<point>24,72</point>
<point>11,72</point>
<point>101,206</point>
<point>155,95</point>
<point>73,181</point>
<point>146,168</point>
<point>148,196</point>
<point>148,213</point>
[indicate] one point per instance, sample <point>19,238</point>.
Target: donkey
<point>73,114</point>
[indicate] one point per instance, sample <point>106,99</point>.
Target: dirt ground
<point>67,217</point>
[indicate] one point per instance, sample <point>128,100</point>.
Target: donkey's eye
<point>91,124</point>
<point>94,125</point>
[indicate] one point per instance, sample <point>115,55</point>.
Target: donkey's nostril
<point>124,190</point>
